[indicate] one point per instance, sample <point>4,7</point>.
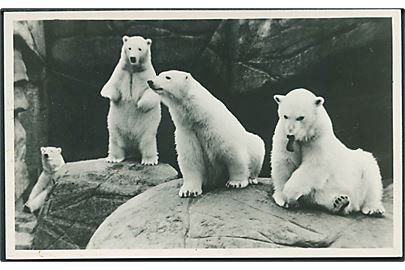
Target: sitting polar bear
<point>134,114</point>
<point>211,143</point>
<point>308,160</point>
<point>52,161</point>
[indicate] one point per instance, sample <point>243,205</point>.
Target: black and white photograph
<point>203,134</point>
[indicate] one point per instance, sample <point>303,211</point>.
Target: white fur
<point>135,111</point>
<point>321,168</point>
<point>211,143</point>
<point>50,165</point>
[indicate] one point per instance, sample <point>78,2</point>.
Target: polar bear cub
<point>308,160</point>
<point>211,143</point>
<point>134,114</point>
<point>52,161</point>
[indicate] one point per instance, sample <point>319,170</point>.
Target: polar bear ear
<point>59,149</point>
<point>149,42</point>
<point>125,38</point>
<point>278,98</point>
<point>319,101</point>
<point>42,149</point>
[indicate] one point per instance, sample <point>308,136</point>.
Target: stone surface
<point>32,32</point>
<point>21,180</point>
<point>246,218</point>
<point>85,193</point>
<point>29,104</point>
<point>24,227</point>
<point>255,53</point>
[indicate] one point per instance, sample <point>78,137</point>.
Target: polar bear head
<point>299,113</point>
<point>172,85</point>
<point>51,158</point>
<point>136,50</point>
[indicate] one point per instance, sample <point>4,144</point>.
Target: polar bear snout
<point>154,87</point>
<point>132,59</point>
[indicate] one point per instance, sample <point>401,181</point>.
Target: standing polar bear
<point>135,112</point>
<point>308,160</point>
<point>52,161</point>
<point>211,143</point>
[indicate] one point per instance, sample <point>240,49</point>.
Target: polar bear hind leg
<point>116,147</point>
<point>372,178</point>
<point>334,202</point>
<point>148,150</point>
<point>256,150</point>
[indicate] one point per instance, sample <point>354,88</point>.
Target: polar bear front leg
<point>300,183</point>
<point>148,101</point>
<point>36,203</point>
<point>281,171</point>
<point>191,163</point>
<point>238,169</point>
<point>111,92</point>
<point>192,170</point>
<point>148,149</point>
<point>44,180</point>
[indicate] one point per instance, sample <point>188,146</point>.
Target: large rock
<point>85,193</point>
<point>246,218</point>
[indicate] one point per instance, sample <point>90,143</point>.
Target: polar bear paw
<point>111,159</point>
<point>149,161</point>
<point>340,204</point>
<point>280,201</point>
<point>190,190</point>
<point>377,211</point>
<point>237,184</point>
<point>253,181</point>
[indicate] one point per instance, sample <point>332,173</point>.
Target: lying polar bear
<point>211,143</point>
<point>308,160</point>
<point>52,161</point>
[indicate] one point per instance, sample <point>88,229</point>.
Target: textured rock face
<point>20,136</point>
<point>256,53</point>
<point>29,104</point>
<point>245,218</point>
<point>85,193</point>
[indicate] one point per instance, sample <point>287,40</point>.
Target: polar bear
<point>52,161</point>
<point>135,112</point>
<point>211,144</point>
<point>309,161</point>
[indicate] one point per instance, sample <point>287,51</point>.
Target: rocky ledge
<point>85,193</point>
<point>246,218</point>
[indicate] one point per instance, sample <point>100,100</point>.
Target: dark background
<point>242,62</point>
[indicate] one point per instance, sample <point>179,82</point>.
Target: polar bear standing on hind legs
<point>309,160</point>
<point>211,144</point>
<point>135,112</point>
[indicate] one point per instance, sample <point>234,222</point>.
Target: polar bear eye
<point>285,117</point>
<point>140,49</point>
<point>168,78</point>
<point>300,118</point>
<point>129,49</point>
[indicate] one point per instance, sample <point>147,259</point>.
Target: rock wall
<point>30,104</point>
<point>242,62</point>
